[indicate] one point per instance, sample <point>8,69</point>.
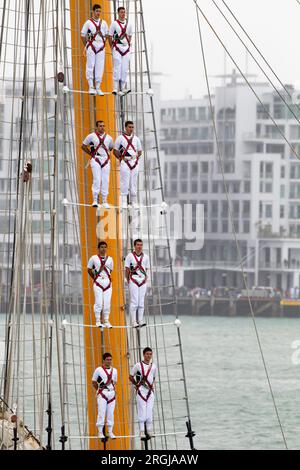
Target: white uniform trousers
<point>137,300</point>
<point>100,179</point>
<point>94,66</point>
<point>145,412</point>
<point>128,180</point>
<point>121,66</point>
<point>102,302</point>
<point>105,410</point>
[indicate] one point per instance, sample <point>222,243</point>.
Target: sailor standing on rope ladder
<point>100,146</point>
<point>142,375</point>
<point>136,265</point>
<point>104,380</point>
<point>128,149</point>
<point>120,34</point>
<point>100,267</point>
<point>93,36</point>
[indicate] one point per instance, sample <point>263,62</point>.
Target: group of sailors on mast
<point>100,267</point>
<point>94,35</point>
<point>127,149</point>
<point>142,376</point>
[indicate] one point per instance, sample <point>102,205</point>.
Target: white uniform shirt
<point>138,370</point>
<point>89,27</point>
<point>101,377</point>
<point>92,139</point>
<point>121,144</point>
<point>94,263</point>
<point>116,30</point>
<point>131,263</point>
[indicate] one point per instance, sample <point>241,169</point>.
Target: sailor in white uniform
<point>136,266</point>
<point>120,34</point>
<point>93,35</point>
<point>100,267</point>
<point>128,149</point>
<point>142,375</point>
<point>98,145</point>
<point>104,380</point>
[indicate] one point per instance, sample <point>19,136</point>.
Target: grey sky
<point>172,33</point>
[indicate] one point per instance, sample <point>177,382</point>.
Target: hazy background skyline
<point>174,46</point>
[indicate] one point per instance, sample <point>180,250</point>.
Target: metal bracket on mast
<point>190,434</point>
<point>49,427</point>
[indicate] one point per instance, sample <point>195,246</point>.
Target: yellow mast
<point>86,111</point>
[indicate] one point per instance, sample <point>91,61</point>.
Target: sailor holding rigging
<point>128,149</point>
<point>142,375</point>
<point>93,35</point>
<point>136,266</point>
<point>98,145</point>
<point>120,34</point>
<point>104,380</point>
<point>100,267</point>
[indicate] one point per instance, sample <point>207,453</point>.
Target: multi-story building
<point>262,176</point>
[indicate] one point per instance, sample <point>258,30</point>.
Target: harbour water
<point>230,401</point>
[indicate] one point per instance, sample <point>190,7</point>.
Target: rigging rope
<point>220,159</point>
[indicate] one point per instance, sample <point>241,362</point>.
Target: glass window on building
<point>247,169</point>
<point>281,212</point>
<point>202,113</point>
<point>194,133</point>
<point>235,208</point>
<point>236,226</point>
<point>194,168</point>
<point>183,169</point>
<point>279,111</point>
<point>185,133</point>
<point>275,148</point>
<point>194,187</point>
<point>225,226</point>
<point>215,187</point>
<point>246,226</point>
<point>205,148</point>
<point>174,170</point>
<point>259,147</point>
<point>236,187</point>
<point>174,133</point>
<point>295,171</point>
<point>174,188</point>
<point>224,209</point>
<point>192,149</point>
<point>204,186</point>
<point>203,133</point>
<point>182,113</point>
<point>269,170</point>
<point>247,186</point>
<point>246,208</point>
<point>295,191</point>
<point>214,208</point>
<point>282,172</point>
<point>183,186</point>
<point>183,149</point>
<point>229,167</point>
<point>192,114</point>
<point>295,132</point>
<point>262,111</point>
<point>268,211</point>
<point>275,132</point>
<point>204,167</point>
<point>214,226</point>
<point>268,187</point>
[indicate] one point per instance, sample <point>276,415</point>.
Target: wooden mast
<point>86,110</point>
